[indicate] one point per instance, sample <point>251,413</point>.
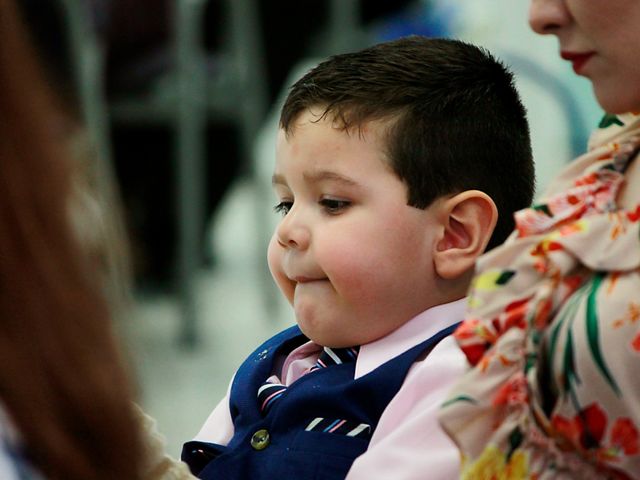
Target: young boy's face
<point>349,254</point>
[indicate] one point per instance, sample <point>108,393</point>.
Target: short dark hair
<point>457,122</point>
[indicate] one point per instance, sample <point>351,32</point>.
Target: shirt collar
<point>374,354</point>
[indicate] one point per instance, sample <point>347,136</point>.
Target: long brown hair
<point>62,378</point>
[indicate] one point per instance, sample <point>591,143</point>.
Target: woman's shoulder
<point>629,197</point>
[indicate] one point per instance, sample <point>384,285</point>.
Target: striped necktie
<point>270,392</point>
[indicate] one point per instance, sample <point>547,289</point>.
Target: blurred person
<point>66,408</point>
<point>66,401</point>
<point>386,202</point>
<point>65,398</point>
<point>552,331</point>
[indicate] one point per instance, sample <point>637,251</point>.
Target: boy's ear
<point>467,222</point>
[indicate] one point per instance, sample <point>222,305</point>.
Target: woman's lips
<point>578,60</point>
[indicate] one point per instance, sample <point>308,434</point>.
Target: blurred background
<point>179,101</point>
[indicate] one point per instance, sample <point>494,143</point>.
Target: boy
<point>390,172</point>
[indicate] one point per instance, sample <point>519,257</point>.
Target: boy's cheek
<point>350,269</point>
<point>274,260</point>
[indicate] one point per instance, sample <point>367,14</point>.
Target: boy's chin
<point>326,337</point>
<point>335,337</point>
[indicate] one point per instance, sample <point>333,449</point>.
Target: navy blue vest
<point>283,448</point>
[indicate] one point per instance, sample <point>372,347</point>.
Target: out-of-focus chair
<point>184,99</point>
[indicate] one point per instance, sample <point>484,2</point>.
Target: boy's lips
<point>578,60</point>
<point>303,279</point>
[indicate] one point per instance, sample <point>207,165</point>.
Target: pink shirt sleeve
<point>408,443</point>
<point>218,428</point>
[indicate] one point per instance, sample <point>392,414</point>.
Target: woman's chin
<point>617,101</point>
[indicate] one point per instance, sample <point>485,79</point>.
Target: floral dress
<point>552,331</point>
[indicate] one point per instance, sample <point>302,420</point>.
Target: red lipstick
<point>578,60</point>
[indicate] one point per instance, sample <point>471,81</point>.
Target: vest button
<point>260,440</point>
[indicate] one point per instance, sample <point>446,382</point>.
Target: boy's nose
<point>547,16</point>
<point>291,233</point>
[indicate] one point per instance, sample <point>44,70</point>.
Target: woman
<point>66,408</point>
<point>553,323</point>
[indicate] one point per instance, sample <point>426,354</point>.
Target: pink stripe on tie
<point>337,426</point>
<point>274,394</point>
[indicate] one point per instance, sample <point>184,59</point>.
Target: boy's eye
<point>333,206</point>
<point>283,208</point>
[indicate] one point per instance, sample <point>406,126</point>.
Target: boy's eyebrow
<point>277,179</point>
<point>323,175</point>
<point>316,177</point>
